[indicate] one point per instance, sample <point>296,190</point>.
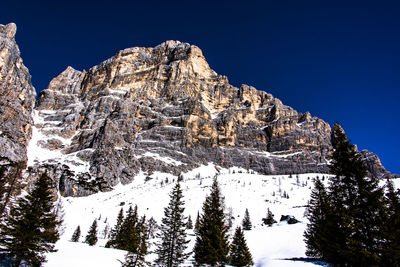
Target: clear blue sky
<point>339,61</point>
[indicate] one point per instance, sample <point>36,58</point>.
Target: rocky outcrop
<point>164,109</point>
<point>17,99</point>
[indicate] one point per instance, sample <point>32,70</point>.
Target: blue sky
<point>340,61</point>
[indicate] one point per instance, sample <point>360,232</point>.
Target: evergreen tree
<point>346,228</point>
<point>172,245</point>
<point>240,254</point>
<point>391,229</point>
<point>357,207</point>
<point>197,223</point>
<point>76,235</point>
<point>269,220</point>
<point>137,245</point>
<point>189,224</point>
<point>30,230</point>
<point>246,223</point>
<point>316,235</point>
<point>91,237</point>
<point>128,237</point>
<point>115,232</point>
<point>211,245</point>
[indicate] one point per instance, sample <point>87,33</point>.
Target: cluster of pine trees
<point>31,227</point>
<point>131,234</point>
<point>353,221</point>
<point>212,246</point>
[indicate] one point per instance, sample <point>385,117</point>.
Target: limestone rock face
<point>17,99</point>
<point>164,109</point>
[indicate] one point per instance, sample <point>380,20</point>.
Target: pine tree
<point>269,220</point>
<point>91,237</point>
<point>346,228</point>
<point>246,223</point>
<point>30,230</point>
<point>76,235</point>
<point>189,224</point>
<point>197,223</point>
<point>240,254</point>
<point>357,207</point>
<point>128,237</point>
<point>211,245</point>
<point>112,242</point>
<point>137,244</point>
<point>316,235</point>
<point>391,229</point>
<point>172,245</point>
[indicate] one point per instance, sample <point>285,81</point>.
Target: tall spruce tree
<point>76,235</point>
<point>91,237</point>
<point>212,245</point>
<point>357,203</point>
<point>30,230</point>
<point>354,213</point>
<point>128,237</point>
<point>240,254</point>
<point>391,250</point>
<point>115,232</point>
<point>137,244</point>
<point>173,243</point>
<point>317,212</point>
<point>246,223</point>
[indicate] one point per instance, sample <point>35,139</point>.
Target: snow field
<point>241,190</point>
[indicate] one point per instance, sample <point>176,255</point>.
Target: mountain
<point>148,110</point>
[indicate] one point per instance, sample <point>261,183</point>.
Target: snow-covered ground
<point>270,246</point>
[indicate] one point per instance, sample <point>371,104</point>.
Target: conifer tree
<point>317,212</point>
<point>211,245</point>
<point>246,223</point>
<point>189,224</point>
<point>391,229</point>
<point>91,237</point>
<point>357,207</point>
<point>112,242</point>
<point>76,235</point>
<point>30,230</point>
<point>197,223</point>
<point>269,220</point>
<point>137,244</point>
<point>172,245</point>
<point>240,254</point>
<point>129,234</point>
<point>353,215</point>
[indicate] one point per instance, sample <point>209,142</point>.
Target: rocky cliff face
<point>164,109</point>
<point>17,98</point>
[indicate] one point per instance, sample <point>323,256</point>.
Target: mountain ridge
<point>164,109</point>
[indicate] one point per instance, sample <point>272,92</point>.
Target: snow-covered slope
<point>269,245</point>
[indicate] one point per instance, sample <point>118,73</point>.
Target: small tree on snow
<point>171,249</point>
<point>189,224</point>
<point>240,254</point>
<point>76,235</point>
<point>91,237</point>
<point>246,223</point>
<point>269,220</point>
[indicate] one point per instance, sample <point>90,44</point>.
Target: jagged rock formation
<point>17,98</point>
<point>164,109</point>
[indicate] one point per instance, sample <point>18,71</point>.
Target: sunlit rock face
<point>17,99</point>
<point>164,109</point>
